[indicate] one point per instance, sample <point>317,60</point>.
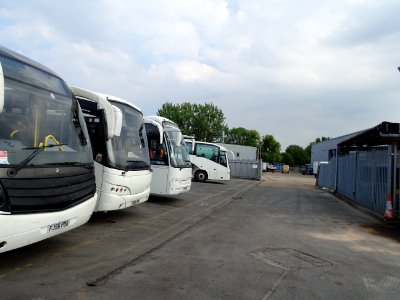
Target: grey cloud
<point>269,65</point>
<point>367,24</point>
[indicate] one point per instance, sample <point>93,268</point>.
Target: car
<point>271,168</point>
<point>307,170</point>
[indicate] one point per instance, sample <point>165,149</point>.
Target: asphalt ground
<point>279,238</point>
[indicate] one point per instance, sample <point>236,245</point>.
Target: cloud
<point>297,70</point>
<point>189,71</point>
<point>366,23</point>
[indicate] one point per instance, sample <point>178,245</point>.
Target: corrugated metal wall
<point>326,176</point>
<point>372,188</point>
<point>347,175</point>
<point>362,176</point>
<point>251,169</point>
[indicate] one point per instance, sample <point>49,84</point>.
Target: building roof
<point>385,133</point>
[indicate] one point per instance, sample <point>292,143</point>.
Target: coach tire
<point>200,176</point>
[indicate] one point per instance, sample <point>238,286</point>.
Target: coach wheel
<point>200,176</point>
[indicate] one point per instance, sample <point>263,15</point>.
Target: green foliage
<point>322,139</point>
<point>287,159</point>
<point>298,154</point>
<point>242,136</point>
<point>270,149</point>
<point>204,121</point>
<point>308,151</point>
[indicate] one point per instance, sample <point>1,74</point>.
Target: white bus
<point>120,152</point>
<point>172,170</point>
<point>47,178</point>
<point>209,161</point>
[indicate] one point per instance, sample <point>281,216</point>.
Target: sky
<point>293,69</point>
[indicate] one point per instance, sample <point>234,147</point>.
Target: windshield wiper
<point>14,171</point>
<point>72,163</point>
<point>136,164</point>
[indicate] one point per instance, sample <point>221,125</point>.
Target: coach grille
<point>34,195</point>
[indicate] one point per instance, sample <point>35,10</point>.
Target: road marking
<point>104,278</point>
<point>386,282</point>
<point>119,230</point>
<point>275,285</point>
<point>148,220</point>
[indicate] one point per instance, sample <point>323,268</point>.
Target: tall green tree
<point>322,139</point>
<point>242,136</point>
<point>308,151</point>
<point>205,122</point>
<point>298,154</point>
<point>270,149</point>
<point>287,159</point>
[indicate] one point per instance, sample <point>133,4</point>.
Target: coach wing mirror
<point>233,154</point>
<point>1,89</point>
<point>158,126</point>
<point>117,121</point>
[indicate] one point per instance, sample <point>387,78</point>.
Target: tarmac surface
<point>279,238</point>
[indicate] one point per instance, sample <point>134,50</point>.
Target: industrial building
<point>364,168</point>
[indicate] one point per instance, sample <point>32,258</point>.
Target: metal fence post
<point>388,211</point>
<point>394,192</point>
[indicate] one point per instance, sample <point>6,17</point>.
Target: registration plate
<point>58,226</point>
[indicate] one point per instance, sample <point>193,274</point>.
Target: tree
<point>322,139</point>
<point>204,121</point>
<point>308,151</point>
<point>298,154</point>
<point>242,136</point>
<point>270,149</point>
<point>287,159</point>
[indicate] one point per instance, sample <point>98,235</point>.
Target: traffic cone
<point>389,208</point>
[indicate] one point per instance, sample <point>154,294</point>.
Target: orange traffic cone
<point>389,208</point>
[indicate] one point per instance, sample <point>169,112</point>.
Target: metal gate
<point>326,176</point>
<point>250,169</point>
